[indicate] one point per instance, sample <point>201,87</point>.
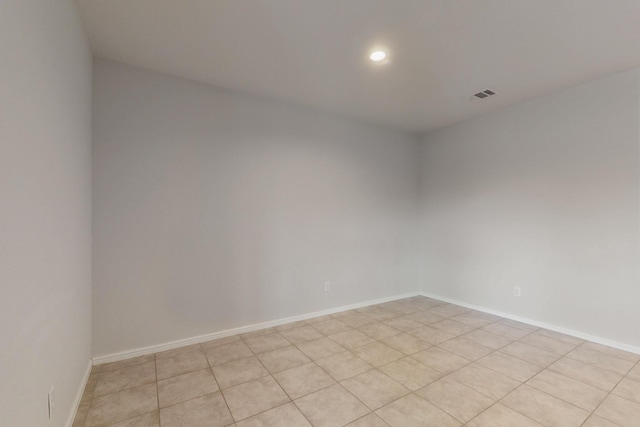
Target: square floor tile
<point>432,335</point>
<point>343,365</point>
<point>467,349</point>
<point>124,378</point>
<point>530,354</point>
<point>547,344</point>
<point>268,342</point>
<point>208,345</point>
<point>458,400</point>
<point>403,323</point>
<point>413,411</point>
<point>251,398</point>
<point>425,317</point>
<point>505,331</point>
<point>575,392</point>
<point>501,416</point>
<point>283,358</point>
<point>452,327</point>
<point>488,382</point>
<point>602,360</point>
<point>303,380</point>
<point>357,320</point>
<point>105,367</point>
<point>510,366</point>
<point>487,339</point>
<point>596,421</point>
<point>592,375</point>
<point>331,326</point>
<point>320,348</point>
<point>181,364</point>
<point>379,330</point>
<point>377,353</point>
<point>369,420</point>
<point>301,334</point>
<point>411,373</point>
<point>209,410</point>
<point>186,387</point>
<point>152,419</point>
<point>331,407</point>
<point>351,338</point>
<point>440,360</point>
<point>544,408</point>
<point>227,353</point>
<point>287,415</point>
<point>629,389</point>
<point>375,389</point>
<point>619,410</point>
<point>239,371</point>
<point>406,343</point>
<point>122,405</point>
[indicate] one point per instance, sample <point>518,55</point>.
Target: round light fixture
<point>377,56</point>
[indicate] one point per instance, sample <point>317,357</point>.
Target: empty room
<point>294,213</point>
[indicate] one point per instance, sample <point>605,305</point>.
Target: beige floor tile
<point>186,387</point>
<point>303,380</point>
<point>283,358</point>
<point>413,411</point>
<point>152,419</point>
<point>302,334</point>
<point>619,410</point>
<point>629,389</point>
<point>449,310</point>
<point>124,378</point>
<point>634,374</point>
<point>370,420</point>
<point>81,415</point>
<point>331,407</point>
<point>560,337</point>
<point>575,392</point>
<point>596,421</point>
<point>485,380</point>
<point>467,349</point>
<point>505,331</point>
<point>239,371</point>
<point>406,343</point>
<point>181,364</point>
<point>475,320</point>
<point>122,363</point>
<point>510,366</point>
<point>291,325</point>
<point>585,373</point>
<point>258,333</point>
<point>403,323</point>
<point>501,416</point>
<point>320,348</point>
<point>343,365</point>
<point>268,342</point>
<point>425,317</point>
<point>331,326</point>
<point>375,389</point>
<point>286,415</point>
<point>432,335</point>
<point>601,360</point>
<point>519,325</point>
<point>547,344</point>
<point>545,409</point>
<point>379,330</point>
<point>378,353</point>
<point>382,314</point>
<point>530,354</point>
<point>458,400</point>
<point>319,319</point>
<point>487,339</point>
<point>452,327</point>
<point>227,352</point>
<point>218,342</point>
<point>411,373</point>
<point>440,360</point>
<point>187,349</point>
<point>351,338</point>
<point>209,411</point>
<point>621,354</point>
<point>122,405</point>
<point>357,320</point>
<point>256,396</point>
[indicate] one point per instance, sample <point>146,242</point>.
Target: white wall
<point>45,210</point>
<point>214,210</point>
<point>543,195</point>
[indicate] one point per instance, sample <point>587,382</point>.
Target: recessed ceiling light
<point>377,56</point>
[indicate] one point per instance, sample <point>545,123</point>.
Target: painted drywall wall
<point>215,210</point>
<point>543,196</point>
<point>45,210</point>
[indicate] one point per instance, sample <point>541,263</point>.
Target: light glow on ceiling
<point>378,55</point>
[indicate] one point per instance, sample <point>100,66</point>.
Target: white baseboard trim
<point>78,399</point>
<point>581,335</point>
<point>114,357</point>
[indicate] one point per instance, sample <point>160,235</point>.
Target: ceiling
<point>315,52</point>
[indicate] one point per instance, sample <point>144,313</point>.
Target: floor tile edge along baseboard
<point>128,354</point>
<point>79,393</point>
<point>551,327</point>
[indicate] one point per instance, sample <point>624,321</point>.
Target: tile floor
<point>413,362</point>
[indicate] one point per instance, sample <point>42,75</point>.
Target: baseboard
<point>577,334</point>
<point>78,399</point>
<point>114,357</point>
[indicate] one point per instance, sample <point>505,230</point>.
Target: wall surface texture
<point>543,196</point>
<point>45,210</point>
<point>214,210</point>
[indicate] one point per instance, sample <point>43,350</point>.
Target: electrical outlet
<point>51,403</point>
<point>517,291</point>
<point>327,286</point>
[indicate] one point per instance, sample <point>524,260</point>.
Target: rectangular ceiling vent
<point>484,94</point>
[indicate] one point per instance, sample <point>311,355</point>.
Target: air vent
<point>484,94</point>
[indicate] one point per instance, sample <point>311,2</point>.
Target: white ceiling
<point>315,52</point>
